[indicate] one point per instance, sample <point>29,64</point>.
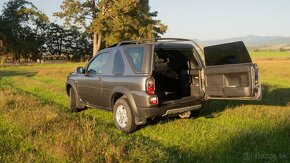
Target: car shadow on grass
<point>252,144</point>
<point>272,96</point>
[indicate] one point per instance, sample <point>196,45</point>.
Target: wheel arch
<point>67,88</point>
<point>115,97</point>
<point>119,92</point>
<point>71,85</point>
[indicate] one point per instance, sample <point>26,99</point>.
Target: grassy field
<point>37,126</point>
<point>271,55</point>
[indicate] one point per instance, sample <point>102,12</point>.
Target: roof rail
<point>140,41</point>
<point>132,42</point>
<point>126,43</point>
<point>172,39</point>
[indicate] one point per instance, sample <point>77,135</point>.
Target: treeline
<point>26,34</point>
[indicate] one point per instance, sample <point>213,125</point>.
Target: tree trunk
<point>97,43</point>
<point>96,36</point>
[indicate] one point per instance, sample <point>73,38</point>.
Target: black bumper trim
<point>168,109</point>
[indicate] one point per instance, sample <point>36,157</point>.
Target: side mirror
<point>80,70</point>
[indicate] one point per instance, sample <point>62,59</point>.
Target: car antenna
<point>141,35</point>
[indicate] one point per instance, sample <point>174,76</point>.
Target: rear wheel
<point>124,117</point>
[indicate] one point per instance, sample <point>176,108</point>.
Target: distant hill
<point>251,40</point>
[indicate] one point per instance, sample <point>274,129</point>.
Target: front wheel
<point>73,102</point>
<point>124,117</point>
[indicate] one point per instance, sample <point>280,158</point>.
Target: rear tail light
<point>256,74</point>
<point>153,100</point>
<point>150,86</point>
<point>150,89</point>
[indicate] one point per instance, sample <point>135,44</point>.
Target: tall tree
<point>54,37</point>
<point>112,20</point>
<point>2,36</point>
<point>21,27</point>
<point>67,41</point>
<point>127,20</point>
<point>81,14</point>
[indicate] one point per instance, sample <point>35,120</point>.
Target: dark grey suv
<point>138,80</point>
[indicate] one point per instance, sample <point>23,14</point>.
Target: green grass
<point>37,126</point>
<point>270,55</point>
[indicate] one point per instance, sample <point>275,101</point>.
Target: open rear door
<point>230,73</point>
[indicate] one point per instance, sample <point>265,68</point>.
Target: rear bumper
<point>164,110</point>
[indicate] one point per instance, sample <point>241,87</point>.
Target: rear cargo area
<point>175,75</point>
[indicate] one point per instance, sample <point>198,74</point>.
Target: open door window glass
<point>230,53</point>
<point>230,73</point>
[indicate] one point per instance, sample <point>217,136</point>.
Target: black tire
<point>73,102</point>
<point>129,125</point>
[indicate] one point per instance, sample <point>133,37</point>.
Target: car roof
<point>172,45</point>
<point>160,43</point>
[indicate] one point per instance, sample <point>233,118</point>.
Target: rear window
<point>139,57</point>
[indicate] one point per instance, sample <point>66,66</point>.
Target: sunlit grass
<point>36,124</point>
<point>270,55</point>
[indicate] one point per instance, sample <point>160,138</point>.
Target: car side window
<point>98,65</point>
<point>135,55</point>
<point>119,66</point>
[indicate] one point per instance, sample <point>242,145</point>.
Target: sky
<point>210,19</point>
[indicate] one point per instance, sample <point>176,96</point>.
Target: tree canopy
<point>21,28</point>
<point>89,25</point>
<point>111,21</point>
<point>127,20</point>
<point>26,33</point>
